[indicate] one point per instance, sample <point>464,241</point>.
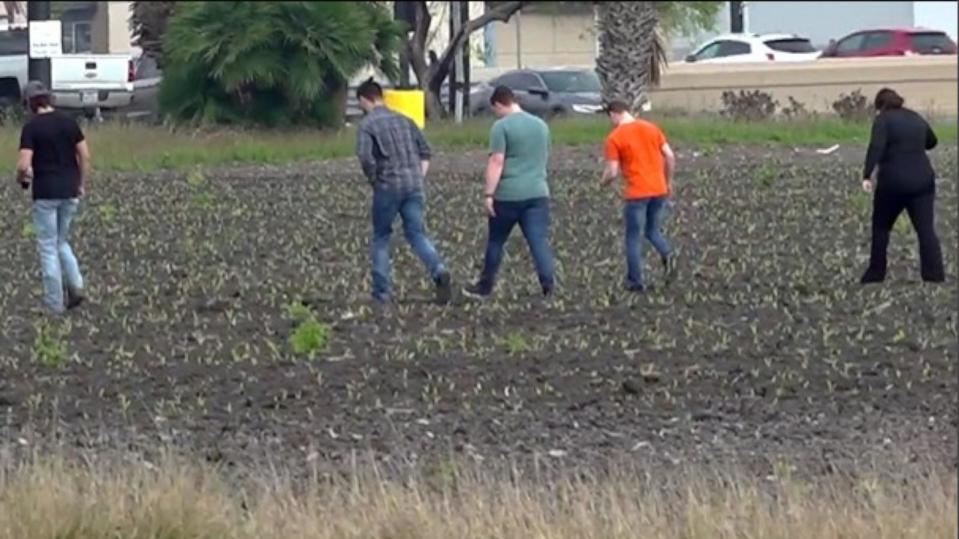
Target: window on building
<point>77,38</point>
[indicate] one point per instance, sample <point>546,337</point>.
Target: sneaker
<point>475,291</point>
<point>444,290</point>
<point>74,298</point>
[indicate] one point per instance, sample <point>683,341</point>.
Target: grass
<point>138,147</point>
<point>57,499</point>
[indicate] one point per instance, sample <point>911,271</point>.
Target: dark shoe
<point>669,267</point>
<point>636,288</point>
<point>871,277</point>
<point>475,291</point>
<point>74,298</point>
<point>444,290</point>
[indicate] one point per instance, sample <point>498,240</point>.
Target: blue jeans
<point>51,222</point>
<point>643,217</point>
<point>533,218</point>
<point>386,205</point>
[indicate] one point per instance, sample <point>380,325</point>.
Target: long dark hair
<point>888,99</point>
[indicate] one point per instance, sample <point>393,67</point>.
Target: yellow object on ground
<point>410,103</point>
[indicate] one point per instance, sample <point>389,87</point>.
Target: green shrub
<point>272,63</point>
<point>310,338</point>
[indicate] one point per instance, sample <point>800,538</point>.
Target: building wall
<point>545,39</point>
<point>938,15</point>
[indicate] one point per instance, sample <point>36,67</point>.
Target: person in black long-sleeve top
<point>905,181</point>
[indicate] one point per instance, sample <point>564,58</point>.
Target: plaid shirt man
<point>391,148</point>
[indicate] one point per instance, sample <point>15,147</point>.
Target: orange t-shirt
<point>638,146</point>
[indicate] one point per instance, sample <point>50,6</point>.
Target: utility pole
<point>454,23</point>
<point>736,17</point>
<point>38,68</point>
<point>405,11</point>
<point>519,47</point>
<point>465,75</point>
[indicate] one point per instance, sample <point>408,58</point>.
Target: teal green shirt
<point>524,140</point>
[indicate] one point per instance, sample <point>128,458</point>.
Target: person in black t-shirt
<point>55,159</point>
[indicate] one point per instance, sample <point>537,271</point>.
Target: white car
<point>744,48</point>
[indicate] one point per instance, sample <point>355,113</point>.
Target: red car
<point>890,42</point>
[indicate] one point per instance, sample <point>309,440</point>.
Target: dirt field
<point>766,348</point>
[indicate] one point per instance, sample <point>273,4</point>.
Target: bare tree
<point>430,75</point>
<point>631,52</point>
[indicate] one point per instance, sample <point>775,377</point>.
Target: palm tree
<point>272,63</point>
<point>632,51</point>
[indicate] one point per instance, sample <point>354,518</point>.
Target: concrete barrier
<point>928,83</point>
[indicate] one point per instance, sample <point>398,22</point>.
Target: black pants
<point>886,209</point>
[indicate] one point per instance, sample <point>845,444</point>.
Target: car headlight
<point>587,109</point>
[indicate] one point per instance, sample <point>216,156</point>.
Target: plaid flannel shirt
<point>390,148</point>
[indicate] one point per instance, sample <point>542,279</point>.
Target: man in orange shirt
<point>638,150</point>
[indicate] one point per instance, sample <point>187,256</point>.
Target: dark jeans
<point>886,209</point>
<point>643,217</point>
<point>386,205</point>
<point>533,218</point>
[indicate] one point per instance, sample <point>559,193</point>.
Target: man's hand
<point>83,189</point>
<point>868,185</point>
<point>490,209</point>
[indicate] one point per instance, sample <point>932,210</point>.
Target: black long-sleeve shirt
<point>898,145</point>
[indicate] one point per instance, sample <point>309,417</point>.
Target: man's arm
<point>669,164</point>
<point>364,152</point>
<point>422,147</point>
<point>494,171</point>
<point>83,160</point>
<point>611,172</point>
<point>24,165</point>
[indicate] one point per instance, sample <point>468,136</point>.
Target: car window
<point>147,68</point>
<point>14,42</point>
<point>796,45</point>
<point>571,81</point>
<point>851,44</point>
<point>931,43</point>
<point>710,51</point>
<point>734,48</point>
<point>877,40</point>
<point>519,81</point>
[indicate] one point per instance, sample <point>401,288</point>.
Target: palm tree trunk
<point>631,51</point>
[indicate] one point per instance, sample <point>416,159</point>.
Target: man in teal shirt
<point>516,191</point>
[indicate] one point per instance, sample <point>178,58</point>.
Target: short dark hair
<point>39,102</point>
<point>617,107</point>
<point>502,95</point>
<point>888,99</point>
<point>370,90</point>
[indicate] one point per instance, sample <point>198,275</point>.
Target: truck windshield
<point>14,42</point>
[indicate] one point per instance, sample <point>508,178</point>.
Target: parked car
<point>743,48</point>
<point>85,82</point>
<point>545,92</point>
<point>891,42</point>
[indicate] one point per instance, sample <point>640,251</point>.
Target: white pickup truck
<point>87,82</point>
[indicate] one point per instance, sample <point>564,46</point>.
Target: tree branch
<point>501,13</point>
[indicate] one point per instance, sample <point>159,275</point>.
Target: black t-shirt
<point>53,137</point>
